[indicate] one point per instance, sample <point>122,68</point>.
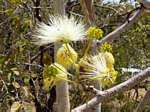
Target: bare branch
<point>40,52</point>
<point>145,101</point>
<point>146,3</point>
<point>127,85</point>
<point>107,7</point>
<point>87,6</point>
<point>113,35</point>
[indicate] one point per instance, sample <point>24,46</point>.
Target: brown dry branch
<point>36,86</point>
<point>145,101</point>
<point>40,52</point>
<point>88,9</point>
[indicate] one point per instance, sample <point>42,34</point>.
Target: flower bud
<point>95,33</point>
<point>66,56</point>
<point>109,60</point>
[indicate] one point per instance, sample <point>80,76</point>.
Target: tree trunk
<point>62,89</point>
<point>62,97</point>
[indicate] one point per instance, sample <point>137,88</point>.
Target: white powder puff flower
<point>60,29</point>
<point>94,66</point>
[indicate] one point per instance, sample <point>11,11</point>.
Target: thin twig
<point>107,7</point>
<point>94,90</point>
<point>29,64</point>
<point>41,7</point>
<point>39,53</point>
<point>145,101</point>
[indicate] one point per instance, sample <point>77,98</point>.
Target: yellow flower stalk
<point>66,56</point>
<point>95,33</point>
<point>52,74</point>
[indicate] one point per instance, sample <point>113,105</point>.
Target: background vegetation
<point>21,62</point>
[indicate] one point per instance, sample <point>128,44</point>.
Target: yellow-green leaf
<point>29,107</point>
<point>15,107</point>
<point>16,85</point>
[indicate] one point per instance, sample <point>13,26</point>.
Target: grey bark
<point>62,88</point>
<point>105,95</point>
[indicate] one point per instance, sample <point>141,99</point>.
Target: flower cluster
<point>97,68</point>
<point>64,30</point>
<point>106,47</point>
<point>95,33</point>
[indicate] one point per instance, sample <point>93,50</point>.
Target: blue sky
<point>117,1</point>
<point>112,1</point>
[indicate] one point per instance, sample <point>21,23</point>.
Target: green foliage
<point>21,79</point>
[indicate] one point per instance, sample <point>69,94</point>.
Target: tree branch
<point>145,101</point>
<point>62,88</point>
<point>104,95</point>
<point>87,7</point>
<point>113,35</point>
<point>40,52</point>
